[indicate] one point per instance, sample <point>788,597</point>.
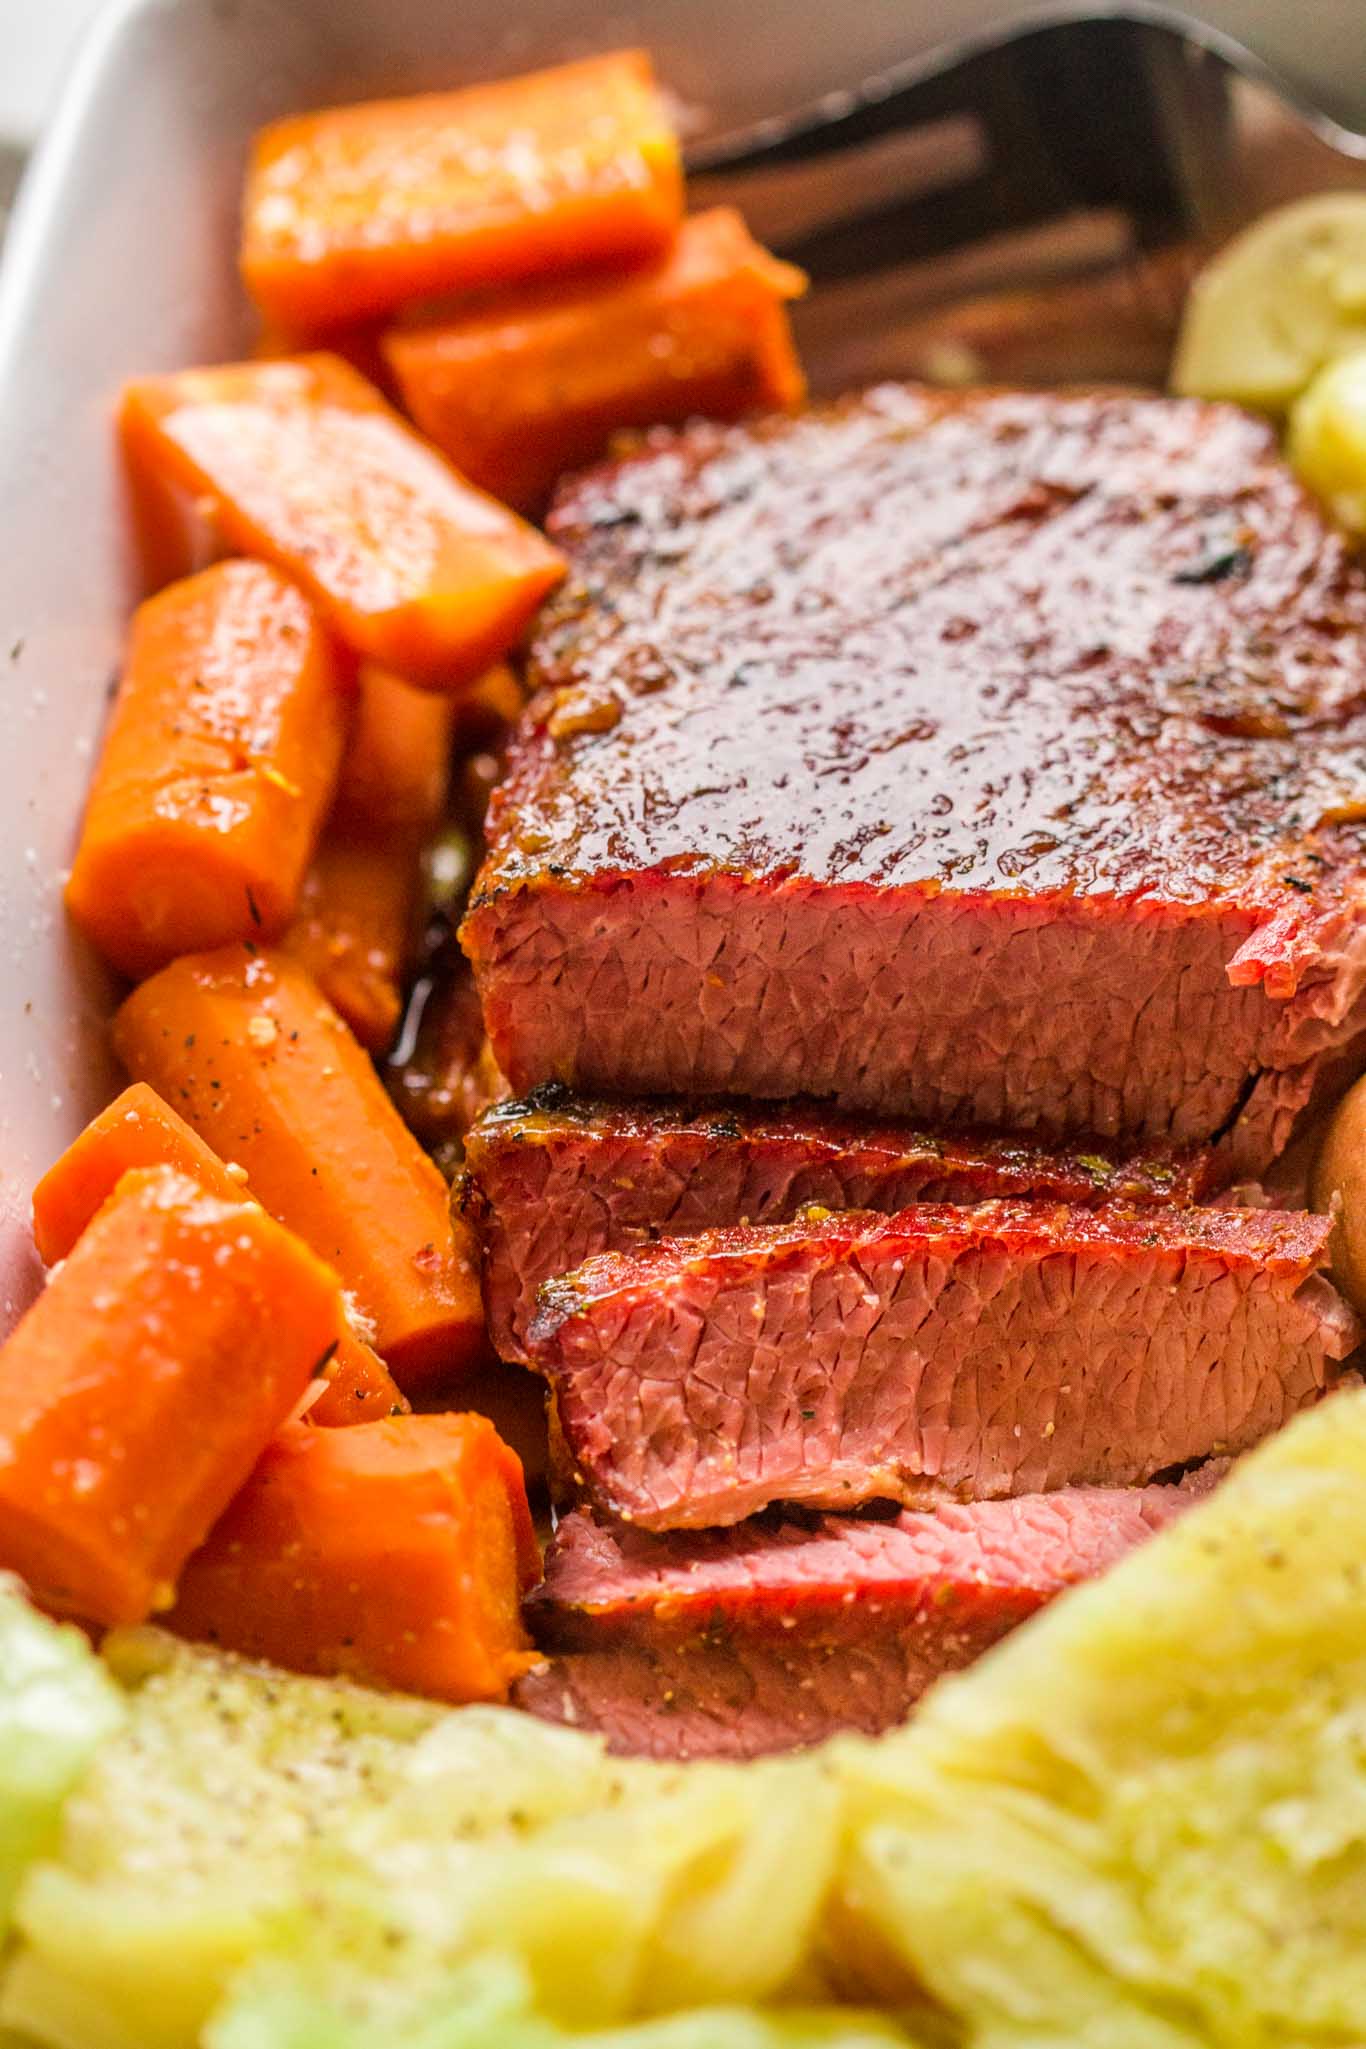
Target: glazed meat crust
<point>996,758</point>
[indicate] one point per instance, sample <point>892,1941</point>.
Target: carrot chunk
<point>394,1554</point>
<point>303,463</point>
<point>140,1130</point>
<point>395,772</point>
<point>517,390</point>
<point>356,908</point>
<point>358,346</point>
<point>354,927</point>
<point>485,712</point>
<point>360,1389</point>
<point>254,1057</point>
<point>142,1386</point>
<point>219,762</point>
<point>351,211</point>
<point>137,1130</point>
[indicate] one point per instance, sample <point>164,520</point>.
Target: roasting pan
<point>120,260</point>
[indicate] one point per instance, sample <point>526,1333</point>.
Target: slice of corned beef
<point>992,759</point>
<point>1010,1348</point>
<point>554,1179</point>
<point>731,1643</point>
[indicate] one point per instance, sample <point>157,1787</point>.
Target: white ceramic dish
<point>120,260</point>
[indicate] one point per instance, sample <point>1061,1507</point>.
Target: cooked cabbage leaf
<point>1142,1821</point>
<point>1138,1824</point>
<point>57,1705</point>
<point>490,2002</point>
<point>243,1813</point>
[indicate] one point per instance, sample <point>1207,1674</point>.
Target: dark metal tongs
<point>1017,151</point>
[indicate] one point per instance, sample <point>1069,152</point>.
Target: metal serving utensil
<point>1032,203</point>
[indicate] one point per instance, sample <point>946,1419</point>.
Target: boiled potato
<point>1284,298</point>
<point>1339,1185</point>
<point>1327,440</point>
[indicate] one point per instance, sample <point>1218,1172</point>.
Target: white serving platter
<point>120,260</point>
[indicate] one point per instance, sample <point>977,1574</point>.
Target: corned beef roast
<point>995,759</point>
<point>730,1643</point>
<point>554,1179</point>
<point>1010,1348</point>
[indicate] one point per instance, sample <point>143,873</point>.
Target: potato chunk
<point>1327,442</point>
<point>1340,1185</point>
<point>1281,300</point>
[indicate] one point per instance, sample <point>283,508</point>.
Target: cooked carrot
<point>360,1389</point>
<point>219,762</point>
<point>484,712</point>
<point>174,536</point>
<point>142,1386</point>
<point>518,389</point>
<point>356,908</point>
<point>140,1130</point>
<point>303,463</point>
<point>137,1130</point>
<point>396,770</point>
<point>394,1554</point>
<point>358,346</point>
<point>250,1052</point>
<point>355,925</point>
<point>351,211</point>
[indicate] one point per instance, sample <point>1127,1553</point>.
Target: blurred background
<point>36,42</point>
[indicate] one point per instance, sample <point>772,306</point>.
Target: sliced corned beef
<point>731,1643</point>
<point>995,758</point>
<point>554,1179</point>
<point>1010,1348</point>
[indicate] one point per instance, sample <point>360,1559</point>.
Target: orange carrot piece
<point>355,915</point>
<point>143,1385</point>
<point>139,1130</point>
<point>303,463</point>
<point>360,1389</point>
<point>354,927</point>
<point>484,712</point>
<point>521,388</point>
<point>358,346</point>
<point>254,1057</point>
<point>396,770</point>
<point>218,765</point>
<point>393,1554</point>
<point>351,211</point>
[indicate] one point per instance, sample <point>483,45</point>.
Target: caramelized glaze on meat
<point>1075,680</point>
